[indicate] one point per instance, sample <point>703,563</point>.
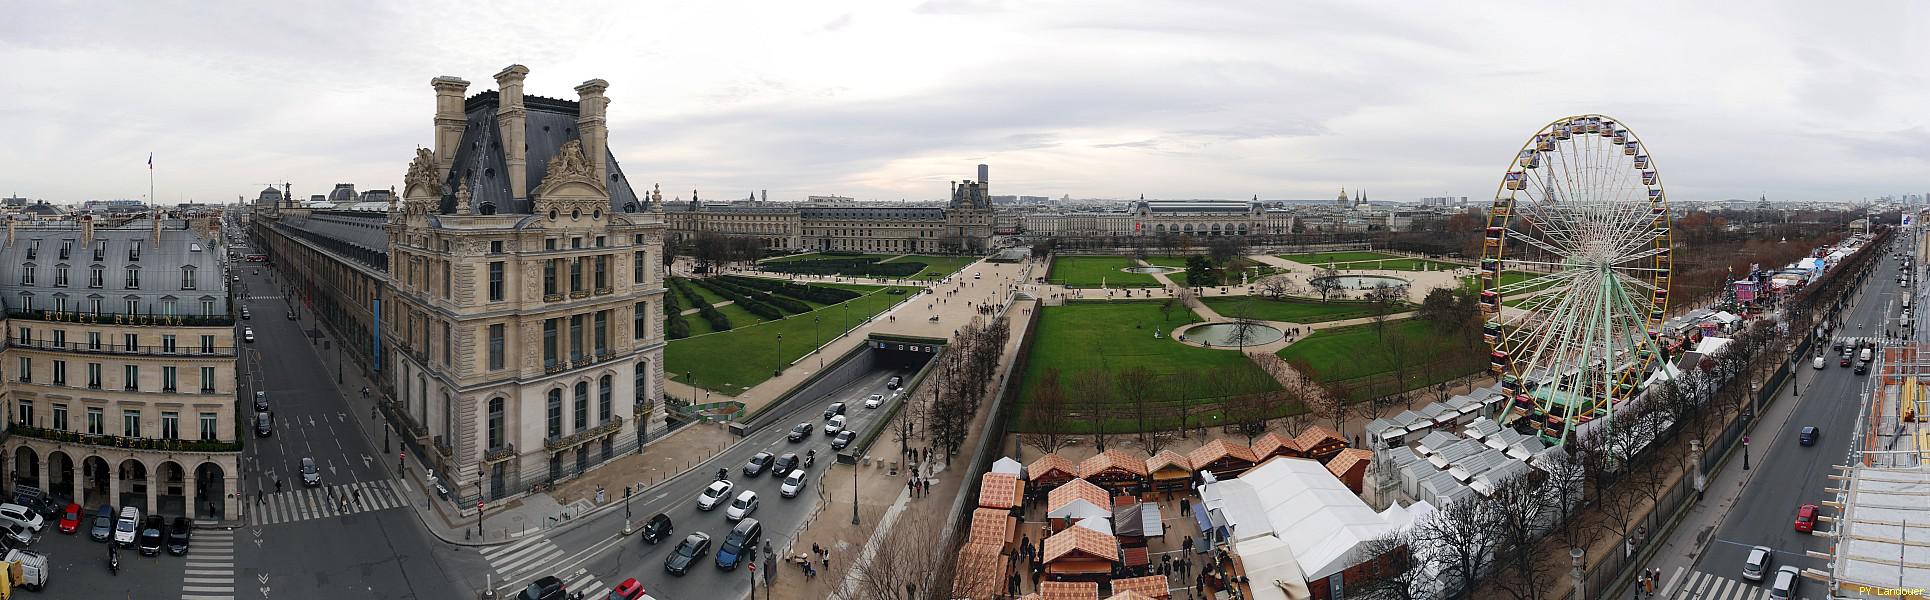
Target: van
<point>1818,363</point>
<point>1867,355</point>
<point>124,529</point>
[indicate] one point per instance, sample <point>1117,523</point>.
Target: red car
<point>630,589</point>
<point>70,518</point>
<point>1806,518</point>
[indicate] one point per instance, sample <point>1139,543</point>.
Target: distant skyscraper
<point>983,173</point>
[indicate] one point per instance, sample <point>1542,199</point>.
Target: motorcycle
<point>723,474</point>
<point>810,457</point>
<point>113,561</point>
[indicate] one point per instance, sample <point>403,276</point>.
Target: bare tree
<point>1462,542</point>
<point>1382,301</point>
<point>1519,512</point>
<point>1398,350</point>
<point>1094,392</point>
<point>1184,388</point>
<point>914,560</point>
<point>1045,414</point>
<point>1321,399</point>
<point>1390,571</point>
<point>1138,388</point>
<point>1245,329</point>
<point>1275,288</point>
<point>1326,283</point>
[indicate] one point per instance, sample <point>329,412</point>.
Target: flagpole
<point>150,180</point>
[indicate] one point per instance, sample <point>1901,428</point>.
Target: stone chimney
<point>86,230</point>
<point>450,119</point>
<point>510,116</point>
<point>591,106</point>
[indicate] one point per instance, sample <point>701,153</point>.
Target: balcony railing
<point>132,443</point>
<point>184,350</point>
<point>579,294</point>
<point>580,437</point>
<point>122,319</point>
<point>496,455</point>
<point>552,297</point>
<point>605,291</point>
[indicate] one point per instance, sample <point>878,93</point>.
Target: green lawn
<point>1292,310</point>
<point>936,267</point>
<point>816,256</point>
<point>1473,282</point>
<point>1322,258</point>
<point>1397,264</point>
<point>733,361</point>
<point>1114,336</point>
<point>1356,356</point>
<point>1177,262</point>
<point>1097,271</point>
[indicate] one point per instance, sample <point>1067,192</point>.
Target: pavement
<point>1742,508</point>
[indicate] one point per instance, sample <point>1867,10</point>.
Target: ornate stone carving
<point>570,163</point>
<point>423,171</point>
<point>462,199</point>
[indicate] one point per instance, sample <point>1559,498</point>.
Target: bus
<point>256,258</point>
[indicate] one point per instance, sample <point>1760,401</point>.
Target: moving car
<point>657,529</point>
<point>1784,587</point>
<point>261,400</point>
<point>311,474</point>
<point>70,518</point>
<point>874,401</point>
<point>785,462</point>
<point>26,517</point>
<point>1845,362</point>
<point>741,540</point>
<point>694,547</point>
<point>1818,363</point>
<point>842,439</point>
<point>103,528</point>
<point>793,483</point>
<point>264,425</point>
<point>801,431</point>
<point>1863,369</point>
<point>743,506</point>
<point>1806,518</point>
<point>836,408</point>
<point>245,315</point>
<point>248,334</point>
<point>179,533</point>
<point>152,536</point>
<point>714,495</point>
<point>1757,563</point>
<point>1807,436</point>
<point>893,383</point>
<point>547,588</point>
<point>630,589</point>
<point>757,464</point>
<point>836,425</point>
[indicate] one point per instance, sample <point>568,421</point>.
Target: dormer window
<point>187,277</point>
<point>96,276</point>
<point>27,274</point>
<point>33,249</point>
<point>100,250</point>
<point>133,277</point>
<point>66,248</point>
<point>134,250</point>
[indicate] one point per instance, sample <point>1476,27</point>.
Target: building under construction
<point>1882,545</point>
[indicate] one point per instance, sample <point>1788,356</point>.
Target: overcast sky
<point>890,100</point>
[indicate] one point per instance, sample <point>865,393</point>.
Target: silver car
<point>1787,578</point>
<point>1757,563</point>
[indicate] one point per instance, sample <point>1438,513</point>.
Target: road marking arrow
<point>257,532</point>
<point>257,543</point>
<point>264,591</point>
<point>366,460</point>
<point>263,578</point>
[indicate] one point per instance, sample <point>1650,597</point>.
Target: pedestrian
<point>827,560</point>
<point>259,497</point>
<point>277,484</point>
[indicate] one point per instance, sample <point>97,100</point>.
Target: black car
<point>178,534</point>
<point>264,425</point>
<point>837,408</point>
<point>1807,436</point>
<point>843,439</point>
<point>261,401</point>
<point>757,464</point>
<point>547,588</point>
<point>739,543</point>
<point>694,547</point>
<point>103,528</point>
<point>152,537</point>
<point>1862,368</point>
<point>801,431</point>
<point>785,463</point>
<point>657,529</point>
<point>37,501</point>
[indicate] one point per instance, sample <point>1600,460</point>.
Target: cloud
<point>839,23</point>
<point>958,7</point>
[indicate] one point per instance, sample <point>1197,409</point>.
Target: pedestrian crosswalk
<point>210,573</point>
<point>324,502</point>
<point>1708,586</point>
<point>518,563</point>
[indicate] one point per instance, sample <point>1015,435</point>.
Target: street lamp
<point>1745,453</point>
<point>815,334</point>
<point>854,493</point>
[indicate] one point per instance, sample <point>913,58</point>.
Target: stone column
<point>114,484</point>
<point>40,475</point>
<point>79,477</point>
<point>154,492</point>
<point>510,116</point>
<point>193,483</point>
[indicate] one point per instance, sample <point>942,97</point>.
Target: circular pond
<point>1228,335</point>
<point>1364,282</point>
<point>1150,270</point>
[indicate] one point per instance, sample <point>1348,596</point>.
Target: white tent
<point>1271,569</point>
<point>1095,524</point>
<point>1080,509</point>
<point>1308,508</point>
<point>1007,465</point>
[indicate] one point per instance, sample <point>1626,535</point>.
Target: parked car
<point>714,495</point>
<point>1757,563</point>
<point>874,401</point>
<point>548,588</point>
<point>15,535</point>
<point>657,529</point>
<point>801,431</point>
<point>793,484</point>
<point>757,464</point>
<point>842,439</point>
<point>103,528</point>
<point>26,517</point>
<point>741,540</point>
<point>694,547</point>
<point>1806,518</point>
<point>70,518</point>
<point>179,533</point>
<point>743,506</point>
<point>311,474</point>
<point>1787,579</point>
<point>836,425</point>
<point>783,465</point>
<point>36,500</point>
<point>153,537</point>
<point>1807,436</point>
<point>836,408</point>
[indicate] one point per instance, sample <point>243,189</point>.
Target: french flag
<point>150,161</point>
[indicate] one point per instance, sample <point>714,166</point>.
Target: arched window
<point>603,391</point>
<point>555,413</point>
<point>582,405</point>
<point>495,425</point>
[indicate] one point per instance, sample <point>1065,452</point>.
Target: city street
<point>1786,474</point>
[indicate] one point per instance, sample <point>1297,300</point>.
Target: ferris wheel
<point>1575,274</point>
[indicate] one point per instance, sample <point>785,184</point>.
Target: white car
<point>875,401</point>
<point>836,425</point>
<point>793,484</point>
<point>1757,564</point>
<point>126,526</point>
<point>714,495</point>
<point>26,517</point>
<point>1788,578</point>
<point>17,535</point>
<point>248,334</point>
<point>743,506</point>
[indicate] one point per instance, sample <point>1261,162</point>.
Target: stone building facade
<point>119,367</point>
<point>513,296</point>
<point>963,225</point>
